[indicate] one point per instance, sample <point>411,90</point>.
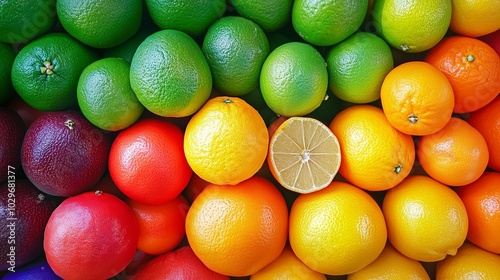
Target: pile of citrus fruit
<point>250,139</point>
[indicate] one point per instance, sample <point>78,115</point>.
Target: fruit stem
<point>98,192</point>
<point>227,100</point>
<point>47,68</point>
<point>398,168</point>
<point>69,123</point>
<point>413,119</point>
<point>470,58</point>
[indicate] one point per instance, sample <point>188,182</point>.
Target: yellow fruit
<point>391,265</point>
<point>412,26</point>
<point>304,155</point>
<point>226,141</point>
<point>375,155</point>
<point>337,230</point>
<point>426,220</point>
<point>470,262</point>
<point>474,18</point>
<point>287,267</point>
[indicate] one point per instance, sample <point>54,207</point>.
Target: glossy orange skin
<point>90,236</point>
<point>161,227</point>
<point>417,98</point>
<point>473,69</point>
<point>487,121</point>
<point>481,199</point>
<point>237,230</point>
<point>375,156</point>
<point>456,155</point>
<point>147,161</point>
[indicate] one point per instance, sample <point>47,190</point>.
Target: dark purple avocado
<point>63,154</point>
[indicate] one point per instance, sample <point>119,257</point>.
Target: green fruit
<point>294,79</point>
<point>269,15</point>
<point>357,67</point>
<point>235,49</point>
<point>100,23</point>
<point>45,72</point>
<point>191,17</point>
<point>105,96</point>
<point>412,26</point>
<point>170,75</point>
<point>327,22</point>
<point>24,20</point>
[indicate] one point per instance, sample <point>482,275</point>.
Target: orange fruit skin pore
<point>374,155</point>
<point>481,199</point>
<point>237,230</point>
<point>456,155</point>
<point>473,69</point>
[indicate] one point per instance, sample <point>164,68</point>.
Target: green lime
<point>105,96</point>
<point>412,26</point>
<point>24,20</point>
<point>235,49</point>
<point>357,67</point>
<point>7,56</point>
<point>327,22</point>
<point>269,15</point>
<point>170,75</point>
<point>45,72</point>
<point>294,79</point>
<point>127,49</point>
<point>191,17</point>
<point>100,23</point>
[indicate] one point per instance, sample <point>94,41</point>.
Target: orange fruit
<point>181,264</point>
<point>481,199</point>
<point>287,266</point>
<point>475,18</point>
<point>226,141</point>
<point>470,262</point>
<point>304,155</point>
<point>426,220</point>
<point>473,69</point>
<point>456,155</point>
<point>417,98</point>
<point>147,161</point>
<point>337,230</point>
<point>487,121</point>
<point>391,264</point>
<point>161,227</point>
<point>92,235</point>
<point>374,155</point>
<point>237,230</point>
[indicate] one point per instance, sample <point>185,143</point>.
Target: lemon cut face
<point>304,155</point>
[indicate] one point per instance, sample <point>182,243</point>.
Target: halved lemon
<point>304,155</point>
